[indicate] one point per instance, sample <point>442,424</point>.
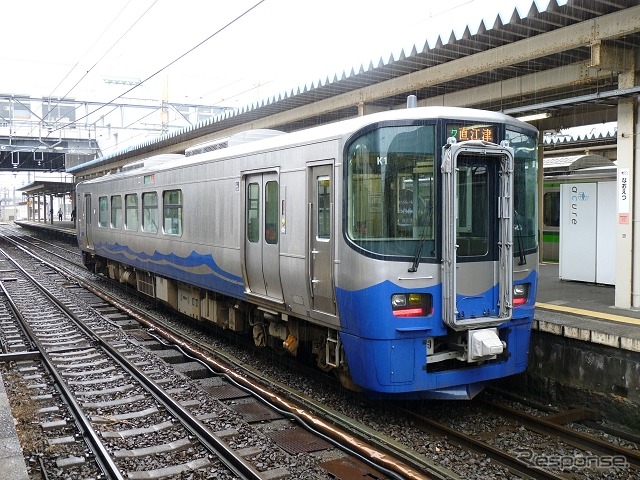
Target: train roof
<point>567,164</point>
<point>320,133</point>
<point>579,168</point>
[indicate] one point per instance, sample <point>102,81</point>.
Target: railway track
<point>552,450</point>
<point>122,397</point>
<point>554,425</point>
<point>93,366</point>
<point>504,444</point>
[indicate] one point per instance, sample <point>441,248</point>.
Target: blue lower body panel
<point>387,354</point>
<point>398,368</point>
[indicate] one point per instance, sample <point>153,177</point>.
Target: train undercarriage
<point>280,332</point>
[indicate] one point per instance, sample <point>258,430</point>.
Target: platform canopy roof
<point>47,187</point>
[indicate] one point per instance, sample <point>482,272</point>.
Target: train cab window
<point>472,191</point>
<point>390,185</point>
<point>116,211</point>
<point>253,212</point>
<point>271,212</point>
<point>150,212</point>
<point>103,211</point>
<point>525,190</point>
<point>131,212</point>
<point>172,212</point>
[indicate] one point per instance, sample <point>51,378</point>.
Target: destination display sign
<point>462,133</point>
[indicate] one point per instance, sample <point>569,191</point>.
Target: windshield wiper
<point>416,259</point>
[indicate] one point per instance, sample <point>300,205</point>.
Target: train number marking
<point>429,343</point>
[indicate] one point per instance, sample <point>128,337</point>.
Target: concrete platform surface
<point>12,465</point>
<point>584,311</point>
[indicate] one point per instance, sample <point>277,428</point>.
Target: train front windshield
<point>391,190</point>
<point>392,175</point>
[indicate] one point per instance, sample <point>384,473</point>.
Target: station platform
<point>12,464</point>
<point>584,311</point>
<point>64,229</point>
<point>56,225</point>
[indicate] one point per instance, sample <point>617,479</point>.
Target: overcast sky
<point>216,52</point>
<point>252,49</point>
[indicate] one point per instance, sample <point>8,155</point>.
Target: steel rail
<point>103,458</point>
<point>367,453</point>
<point>577,439</point>
<point>514,464</point>
<point>336,436</point>
<point>226,455</point>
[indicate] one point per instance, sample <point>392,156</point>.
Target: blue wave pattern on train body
<point>196,269</point>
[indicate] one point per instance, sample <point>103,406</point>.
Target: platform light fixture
<point>534,116</point>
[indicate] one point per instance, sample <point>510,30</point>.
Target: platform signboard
<point>578,231</point>
<point>587,230</point>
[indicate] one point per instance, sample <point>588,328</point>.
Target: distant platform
<point>64,228</point>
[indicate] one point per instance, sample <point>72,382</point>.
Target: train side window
<point>253,212</point>
<point>150,212</point>
<point>551,209</point>
<point>324,208</point>
<point>103,212</point>
<point>131,211</point>
<point>271,212</point>
<point>172,212</point>
<point>116,211</point>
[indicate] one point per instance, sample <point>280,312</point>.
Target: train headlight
<point>411,304</point>
<point>520,294</point>
<point>398,300</point>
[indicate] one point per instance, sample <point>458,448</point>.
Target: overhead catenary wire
<point>113,45</point>
<point>98,61</point>
<point>180,57</point>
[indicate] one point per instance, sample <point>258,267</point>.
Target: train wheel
<point>346,381</point>
<point>319,350</point>
<point>259,336</point>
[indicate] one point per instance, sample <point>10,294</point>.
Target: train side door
<point>321,238</point>
<point>477,242</point>
<point>88,235</point>
<point>262,239</point>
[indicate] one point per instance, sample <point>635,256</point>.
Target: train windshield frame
<point>392,180</point>
<point>525,188</point>
<point>391,189</point>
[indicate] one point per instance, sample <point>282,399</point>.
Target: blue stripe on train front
<point>367,313</point>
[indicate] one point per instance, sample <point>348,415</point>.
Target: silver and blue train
<point>398,249</point>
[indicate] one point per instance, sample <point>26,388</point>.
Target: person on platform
<point>60,214</point>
